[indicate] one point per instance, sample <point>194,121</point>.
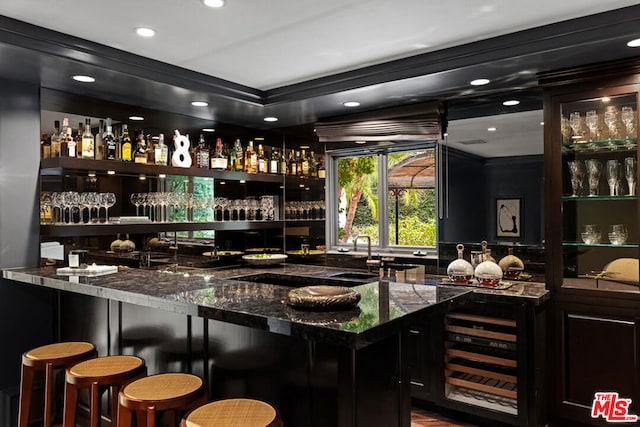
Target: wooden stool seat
<point>161,392</point>
<point>48,357</point>
<point>233,413</point>
<point>98,374</point>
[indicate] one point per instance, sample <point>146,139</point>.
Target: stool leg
<point>113,401</point>
<point>151,416</point>
<point>48,395</point>
<point>70,404</point>
<point>26,388</point>
<point>95,405</point>
<point>124,416</point>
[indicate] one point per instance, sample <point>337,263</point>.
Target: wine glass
<point>610,120</point>
<point>108,201</point>
<point>592,123</point>
<point>630,165</point>
<point>575,122</point>
<point>628,117</point>
<point>576,170</point>
<point>613,177</point>
<point>135,200</point>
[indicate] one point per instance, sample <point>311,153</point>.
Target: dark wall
<point>25,312</point>
<point>473,185</point>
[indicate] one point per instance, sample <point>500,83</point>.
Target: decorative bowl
<point>264,259</point>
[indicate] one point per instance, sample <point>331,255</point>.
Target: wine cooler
<point>481,359</point>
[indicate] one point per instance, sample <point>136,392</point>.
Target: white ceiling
<point>268,44</point>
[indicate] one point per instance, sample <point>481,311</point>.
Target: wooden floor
<point>422,417</point>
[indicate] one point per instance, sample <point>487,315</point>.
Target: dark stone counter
<point>223,295</point>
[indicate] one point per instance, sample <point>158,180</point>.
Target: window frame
<point>331,193</point>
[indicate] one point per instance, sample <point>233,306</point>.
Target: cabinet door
<point>600,232</point>
<point>597,352</point>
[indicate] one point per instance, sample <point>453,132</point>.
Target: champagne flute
<point>594,169</point>
<point>630,165</point>
<point>576,169</point>
<point>575,122</point>
<point>627,118</point>
<point>613,174</point>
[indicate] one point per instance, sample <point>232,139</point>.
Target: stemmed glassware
<point>592,123</point>
<point>594,169</point>
<point>575,121</point>
<point>628,117</point>
<point>630,166</point>
<point>135,199</point>
<point>576,169</point>
<point>613,177</point>
<point>109,199</point>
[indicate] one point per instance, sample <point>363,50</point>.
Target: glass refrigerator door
<point>600,232</point>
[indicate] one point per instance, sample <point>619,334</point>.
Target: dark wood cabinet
<point>594,281</point>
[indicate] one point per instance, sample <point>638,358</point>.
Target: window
<point>387,194</point>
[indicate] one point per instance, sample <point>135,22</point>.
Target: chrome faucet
<point>355,244</point>
<point>370,262</point>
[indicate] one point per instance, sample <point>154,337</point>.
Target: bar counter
<point>357,353</point>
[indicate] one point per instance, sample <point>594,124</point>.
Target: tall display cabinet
<point>592,232</point>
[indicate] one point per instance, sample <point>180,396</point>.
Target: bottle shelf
<point>67,165</point>
<point>105,229</point>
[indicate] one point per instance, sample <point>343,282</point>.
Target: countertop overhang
<point>222,294</point>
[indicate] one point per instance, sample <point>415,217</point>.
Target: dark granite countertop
<point>248,296</point>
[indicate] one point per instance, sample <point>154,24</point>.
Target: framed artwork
<point>509,217</point>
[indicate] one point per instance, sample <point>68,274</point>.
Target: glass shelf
<point>594,198</point>
<point>604,146</point>
<point>601,245</point>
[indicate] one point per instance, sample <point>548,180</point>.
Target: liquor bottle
<point>71,143</point>
<point>110,142</point>
<point>78,141</point>
<point>313,165</point>
<point>162,151</point>
<point>304,164</point>
<point>45,146</point>
<point>282,163</point>
<point>64,149</point>
<point>239,156</point>
<point>55,139</point>
<point>274,161</point>
<point>250,159</point>
<point>261,166</point>
<point>99,141</point>
<point>127,148</point>
<point>151,151</point>
<point>292,165</point>
<point>202,154</point>
<point>140,153</point>
<point>88,143</point>
<point>218,159</point>
<point>117,133</point>
<point>322,173</point>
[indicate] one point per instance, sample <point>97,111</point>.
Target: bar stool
<point>48,357</point>
<point>98,374</point>
<point>233,413</point>
<point>160,392</point>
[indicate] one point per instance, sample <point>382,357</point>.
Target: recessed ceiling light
<point>541,123</point>
<point>492,129</point>
<point>304,147</point>
<point>479,82</point>
<point>162,175</point>
<point>199,103</point>
<point>511,102</point>
<point>634,43</point>
<point>208,130</point>
<point>111,172</point>
<point>142,177</point>
<point>84,79</point>
<point>361,142</point>
<point>270,119</point>
<point>145,32</point>
<point>351,104</point>
<point>214,3</point>
<point>606,99</point>
<point>242,181</point>
<point>136,118</point>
